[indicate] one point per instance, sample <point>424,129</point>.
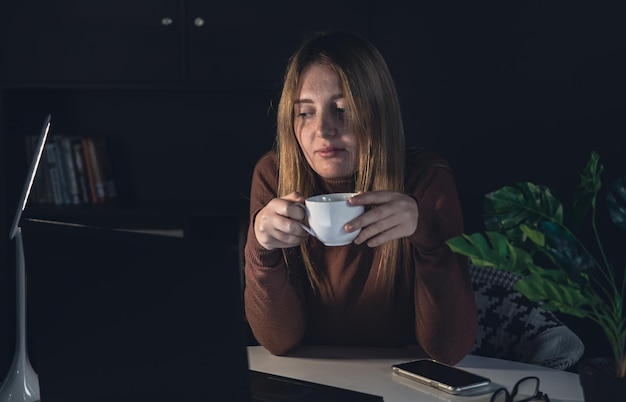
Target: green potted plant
<point>530,233</point>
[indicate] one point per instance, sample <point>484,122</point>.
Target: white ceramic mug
<point>327,214</point>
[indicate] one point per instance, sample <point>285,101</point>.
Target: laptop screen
<point>30,176</point>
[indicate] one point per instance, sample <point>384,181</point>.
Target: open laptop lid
<point>30,177</point>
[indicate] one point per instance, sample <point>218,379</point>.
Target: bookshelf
<point>74,171</point>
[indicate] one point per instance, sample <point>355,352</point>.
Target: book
<point>89,168</point>
<point>61,168</point>
<point>53,169</point>
<point>96,171</point>
<point>81,172</point>
<point>71,180</point>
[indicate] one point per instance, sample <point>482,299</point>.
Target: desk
<point>369,370</point>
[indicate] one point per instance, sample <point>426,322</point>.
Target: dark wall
<point>510,91</point>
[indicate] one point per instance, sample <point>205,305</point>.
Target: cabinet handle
<point>198,21</point>
<point>166,21</point>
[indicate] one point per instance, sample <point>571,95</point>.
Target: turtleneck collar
<point>339,185</point>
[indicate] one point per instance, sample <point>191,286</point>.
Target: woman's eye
<point>303,115</point>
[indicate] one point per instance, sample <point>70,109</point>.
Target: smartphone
<point>441,376</point>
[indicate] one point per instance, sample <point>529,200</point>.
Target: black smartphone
<point>441,376</point>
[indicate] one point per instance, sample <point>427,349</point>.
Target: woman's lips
<point>329,152</point>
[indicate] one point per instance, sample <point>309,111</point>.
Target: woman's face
<point>319,112</point>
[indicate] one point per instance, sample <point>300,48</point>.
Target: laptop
<point>272,387</point>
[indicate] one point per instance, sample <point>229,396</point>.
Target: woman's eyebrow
<point>300,101</point>
<point>307,100</point>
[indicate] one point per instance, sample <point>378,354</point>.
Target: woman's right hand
<point>277,225</point>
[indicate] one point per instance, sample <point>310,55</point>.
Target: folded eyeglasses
<point>526,389</point>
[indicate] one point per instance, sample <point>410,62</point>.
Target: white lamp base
<point>21,382</point>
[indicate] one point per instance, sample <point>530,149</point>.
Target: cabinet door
<point>249,41</point>
<point>101,41</point>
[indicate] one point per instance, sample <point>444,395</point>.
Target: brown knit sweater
<point>433,308</point>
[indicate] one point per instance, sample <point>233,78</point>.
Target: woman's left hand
<point>394,217</point>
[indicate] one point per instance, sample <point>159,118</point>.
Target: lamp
<point>22,382</point>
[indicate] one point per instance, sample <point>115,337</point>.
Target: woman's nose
<point>326,126</point>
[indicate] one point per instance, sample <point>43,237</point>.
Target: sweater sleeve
<point>273,308</point>
<point>445,306</point>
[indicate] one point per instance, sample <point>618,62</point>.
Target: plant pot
<point>598,380</point>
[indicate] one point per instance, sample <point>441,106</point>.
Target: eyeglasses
<point>526,389</point>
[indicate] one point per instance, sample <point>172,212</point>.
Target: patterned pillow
<point>512,327</point>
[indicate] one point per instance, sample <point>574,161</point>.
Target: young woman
<point>398,284</point>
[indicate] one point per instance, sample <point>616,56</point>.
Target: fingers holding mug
<point>277,224</point>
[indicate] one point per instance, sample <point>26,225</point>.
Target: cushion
<point>512,327</point>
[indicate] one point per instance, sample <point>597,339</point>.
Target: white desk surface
<point>369,370</point>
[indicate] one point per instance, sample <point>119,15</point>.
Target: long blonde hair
<point>374,116</point>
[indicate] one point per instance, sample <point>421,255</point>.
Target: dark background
<point>506,91</point>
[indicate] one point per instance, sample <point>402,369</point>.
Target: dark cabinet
<point>72,41</point>
<point>245,41</point>
<point>170,42</point>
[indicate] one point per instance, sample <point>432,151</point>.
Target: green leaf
<point>555,291</point>
<point>508,208</point>
<point>587,191</point>
<point>616,201</point>
<point>492,249</point>
<point>566,251</point>
<point>534,235</point>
